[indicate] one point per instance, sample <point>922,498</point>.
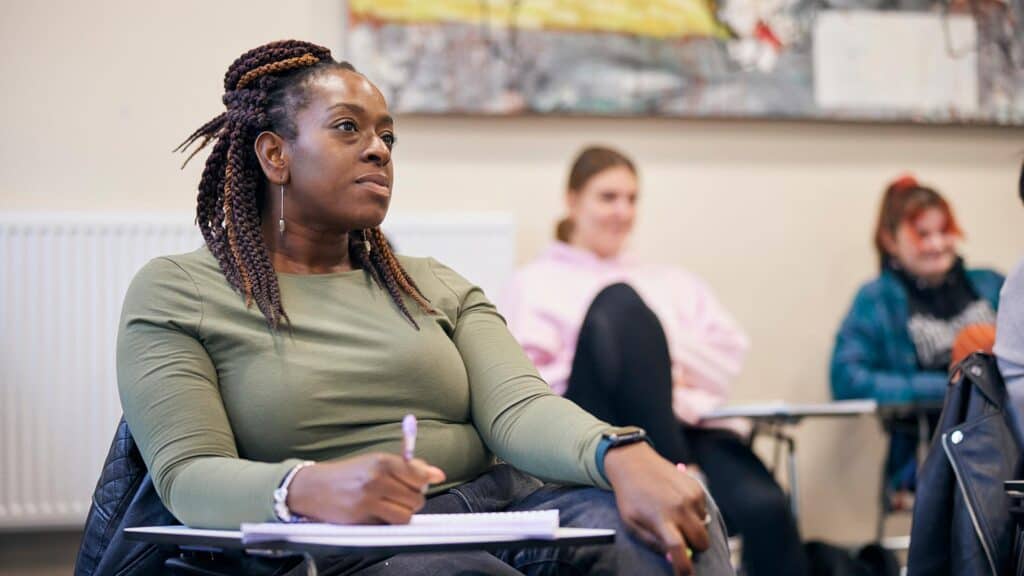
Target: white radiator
<point>62,281</point>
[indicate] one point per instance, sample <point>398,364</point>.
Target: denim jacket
<point>874,356</point>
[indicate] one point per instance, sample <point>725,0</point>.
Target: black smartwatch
<point>614,439</point>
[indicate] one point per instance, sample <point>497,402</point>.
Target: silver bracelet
<point>281,495</point>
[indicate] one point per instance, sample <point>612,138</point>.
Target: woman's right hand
<point>375,488</point>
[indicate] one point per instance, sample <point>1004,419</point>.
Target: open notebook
<point>534,524</point>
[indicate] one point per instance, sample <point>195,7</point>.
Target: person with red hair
<point>896,344</point>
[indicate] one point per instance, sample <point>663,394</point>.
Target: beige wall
<point>775,216</point>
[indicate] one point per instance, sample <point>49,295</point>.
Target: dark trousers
<point>504,488</point>
<point>622,374</point>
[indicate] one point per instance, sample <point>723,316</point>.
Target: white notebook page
<point>532,524</point>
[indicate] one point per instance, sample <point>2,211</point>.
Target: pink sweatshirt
<point>548,299</point>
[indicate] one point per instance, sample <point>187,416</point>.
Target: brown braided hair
<point>263,89</point>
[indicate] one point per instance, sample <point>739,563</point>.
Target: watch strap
<point>620,436</point>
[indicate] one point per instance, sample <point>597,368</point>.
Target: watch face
<point>627,437</point>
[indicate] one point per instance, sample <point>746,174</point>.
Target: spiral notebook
<point>533,524</point>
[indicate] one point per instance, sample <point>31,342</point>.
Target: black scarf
<point>944,300</point>
<point>937,312</point>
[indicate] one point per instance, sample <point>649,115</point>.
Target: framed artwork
<point>929,61</point>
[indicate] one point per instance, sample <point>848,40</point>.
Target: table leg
<point>786,442</point>
<point>794,490</point>
<point>776,433</point>
<point>923,439</point>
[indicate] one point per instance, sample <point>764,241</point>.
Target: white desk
<point>775,417</point>
<point>308,547</point>
<point>793,412</point>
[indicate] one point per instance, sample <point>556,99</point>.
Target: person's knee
<point>716,559</point>
<point>617,297</point>
<point>592,508</point>
<point>619,307</point>
<point>602,512</point>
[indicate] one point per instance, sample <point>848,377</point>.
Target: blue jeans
<point>504,488</point>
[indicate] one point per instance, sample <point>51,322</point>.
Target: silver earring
<point>280,223</point>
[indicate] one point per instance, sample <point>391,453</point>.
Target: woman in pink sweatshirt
<point>650,346</point>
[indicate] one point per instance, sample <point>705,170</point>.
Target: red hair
<point>904,201</point>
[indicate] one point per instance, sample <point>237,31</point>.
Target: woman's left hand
<point>663,507</point>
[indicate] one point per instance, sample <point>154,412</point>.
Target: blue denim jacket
<point>874,356</point>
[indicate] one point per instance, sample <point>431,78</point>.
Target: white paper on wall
<point>895,61</point>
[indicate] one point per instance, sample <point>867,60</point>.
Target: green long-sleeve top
<point>222,406</point>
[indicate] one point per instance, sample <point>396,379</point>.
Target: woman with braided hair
<point>265,376</point>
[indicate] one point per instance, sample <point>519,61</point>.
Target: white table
<point>776,417</point>
<point>309,547</point>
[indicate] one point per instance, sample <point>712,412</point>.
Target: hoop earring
<point>280,223</point>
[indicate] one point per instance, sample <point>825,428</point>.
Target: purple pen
<point>408,436</point>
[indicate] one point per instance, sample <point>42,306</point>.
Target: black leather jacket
<point>124,496</point>
<point>962,524</point>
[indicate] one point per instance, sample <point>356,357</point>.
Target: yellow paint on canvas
<point>654,18</point>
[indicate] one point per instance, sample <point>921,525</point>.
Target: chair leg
<point>883,506</point>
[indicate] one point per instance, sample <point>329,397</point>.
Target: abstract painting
<point>697,58</point>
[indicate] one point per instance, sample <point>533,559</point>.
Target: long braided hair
<point>263,89</point>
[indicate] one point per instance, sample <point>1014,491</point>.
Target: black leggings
<point>622,374</point>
